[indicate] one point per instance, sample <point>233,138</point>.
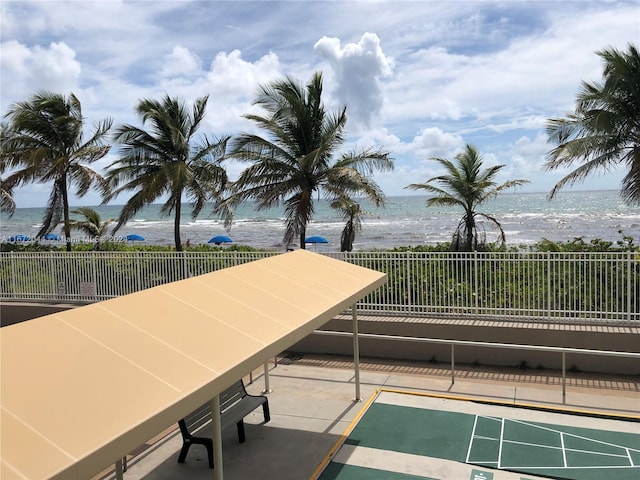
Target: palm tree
<point>298,158</point>
<point>352,215</point>
<point>44,143</point>
<point>604,129</point>
<point>7,204</point>
<point>166,162</point>
<point>92,225</point>
<point>468,186</point>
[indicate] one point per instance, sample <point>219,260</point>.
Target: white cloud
<point>232,76</point>
<point>357,68</point>
<point>181,62</point>
<point>27,70</point>
<point>433,142</point>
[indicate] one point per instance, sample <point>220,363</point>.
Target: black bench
<point>235,404</point>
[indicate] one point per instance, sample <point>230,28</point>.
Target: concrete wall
<point>618,339</point>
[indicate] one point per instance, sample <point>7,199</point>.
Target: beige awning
<point>82,388</point>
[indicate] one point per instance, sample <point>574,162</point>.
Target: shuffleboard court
<point>406,436</point>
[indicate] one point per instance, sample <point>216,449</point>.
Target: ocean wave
<point>526,218</point>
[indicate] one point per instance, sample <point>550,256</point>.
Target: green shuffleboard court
<point>404,436</point>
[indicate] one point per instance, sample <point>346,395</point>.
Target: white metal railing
<point>507,346</point>
<point>582,287</point>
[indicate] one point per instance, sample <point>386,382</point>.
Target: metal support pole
<point>564,377</point>
<point>356,353</point>
<point>216,425</point>
<point>119,475</point>
<point>453,364</point>
<point>266,378</point>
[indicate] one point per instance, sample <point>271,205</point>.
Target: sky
<point>420,79</point>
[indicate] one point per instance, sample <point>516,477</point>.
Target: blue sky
<point>420,79</point>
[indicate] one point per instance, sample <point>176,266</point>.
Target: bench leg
<point>183,452</point>
<point>210,453</point>
<point>206,442</point>
<point>265,410</point>
<point>241,436</point>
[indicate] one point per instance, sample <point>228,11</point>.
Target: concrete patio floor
<point>312,405</point>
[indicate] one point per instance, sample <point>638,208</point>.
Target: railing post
<point>629,284</point>
<point>13,274</point>
<point>94,271</point>
<point>453,364</point>
<point>564,377</point>
<point>475,282</point>
<point>408,286</point>
<point>138,273</point>
<point>54,284</point>
<point>548,286</point>
<point>356,352</point>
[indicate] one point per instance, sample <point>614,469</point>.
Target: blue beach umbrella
<point>134,237</point>
<point>218,239</point>
<point>51,236</point>
<point>20,238</point>
<point>316,239</point>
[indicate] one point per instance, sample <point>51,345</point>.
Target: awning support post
<point>356,353</point>
<point>267,388</point>
<point>217,437</point>
<point>119,475</point>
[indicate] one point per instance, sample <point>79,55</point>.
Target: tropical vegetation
<point>299,156</point>
<point>91,225</point>
<point>166,162</point>
<point>352,215</point>
<point>468,185</point>
<point>43,142</point>
<point>604,129</point>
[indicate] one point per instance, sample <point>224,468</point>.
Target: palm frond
<point>604,129</point>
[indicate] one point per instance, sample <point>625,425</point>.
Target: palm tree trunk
<point>303,233</point>
<point>470,224</point>
<point>65,212</point>
<point>176,225</point>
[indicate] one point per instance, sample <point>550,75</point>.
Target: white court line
<point>500,444</point>
<point>624,451</point>
<point>473,435</point>
<point>525,416</point>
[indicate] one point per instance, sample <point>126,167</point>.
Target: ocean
<point>526,218</point>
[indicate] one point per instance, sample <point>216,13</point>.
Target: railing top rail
<point>512,346</point>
